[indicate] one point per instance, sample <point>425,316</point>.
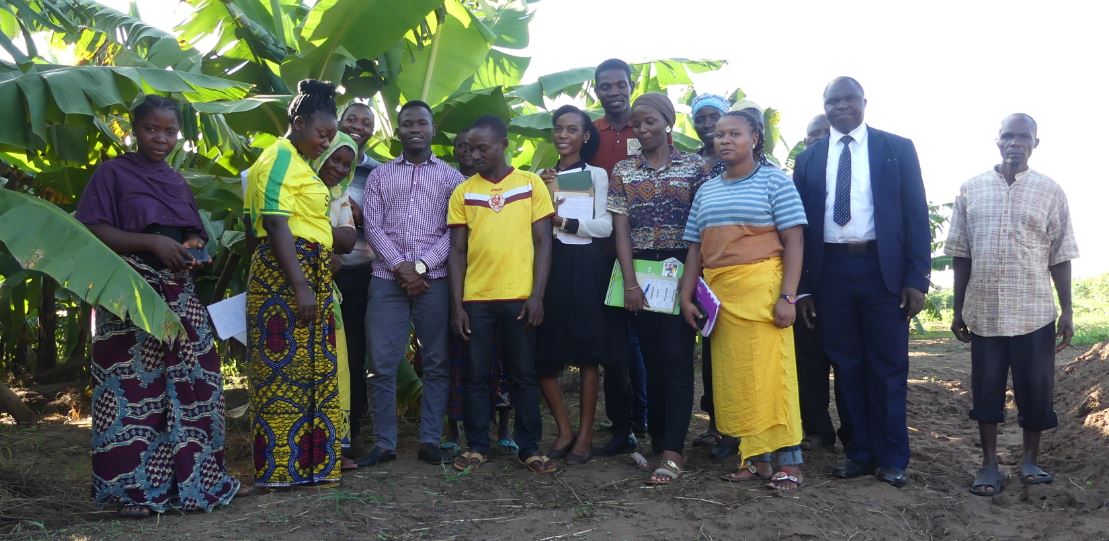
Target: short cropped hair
<point>493,124</point>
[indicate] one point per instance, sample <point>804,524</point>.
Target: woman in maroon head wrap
<point>157,407</point>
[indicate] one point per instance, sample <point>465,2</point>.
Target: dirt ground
<point>44,474</point>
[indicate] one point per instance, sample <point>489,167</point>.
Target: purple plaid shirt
<point>405,214</point>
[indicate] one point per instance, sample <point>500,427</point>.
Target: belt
<point>864,247</point>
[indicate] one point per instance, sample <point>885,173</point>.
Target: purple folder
<point>709,305</point>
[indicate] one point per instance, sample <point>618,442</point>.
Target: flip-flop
<point>1032,474</point>
<point>470,460</point>
<point>668,470</point>
<point>988,477</point>
<point>539,464</point>
<point>640,461</point>
<point>780,477</point>
<point>505,446</point>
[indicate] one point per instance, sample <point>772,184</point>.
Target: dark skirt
<point>574,330</point>
<point>157,408</point>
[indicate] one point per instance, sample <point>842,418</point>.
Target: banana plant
<point>80,263</point>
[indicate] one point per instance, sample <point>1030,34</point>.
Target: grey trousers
<point>390,314</point>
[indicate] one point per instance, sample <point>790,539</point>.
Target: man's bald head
<point>818,127</point>
<point>1022,117</point>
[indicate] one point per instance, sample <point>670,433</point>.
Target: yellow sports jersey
<point>281,183</point>
<point>500,254</point>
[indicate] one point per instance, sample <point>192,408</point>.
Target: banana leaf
<point>43,238</point>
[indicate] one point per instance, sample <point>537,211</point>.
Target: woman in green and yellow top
<point>290,318</point>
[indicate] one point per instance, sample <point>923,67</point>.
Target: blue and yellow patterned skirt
<point>293,371</point>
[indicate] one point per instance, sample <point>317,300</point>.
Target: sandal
<point>987,478</point>
<point>1032,474</point>
<point>752,474</point>
<point>640,461</point>
<point>780,478</point>
<point>539,464</point>
<point>470,460</point>
<point>667,472</point>
<point>505,446</point>
<point>134,511</point>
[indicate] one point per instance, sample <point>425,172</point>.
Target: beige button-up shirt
<point>1012,235</point>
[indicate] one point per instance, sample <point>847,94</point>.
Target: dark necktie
<point>841,210</point>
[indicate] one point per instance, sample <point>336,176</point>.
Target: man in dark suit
<point>867,261</point>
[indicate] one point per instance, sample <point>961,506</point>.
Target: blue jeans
<point>390,315</point>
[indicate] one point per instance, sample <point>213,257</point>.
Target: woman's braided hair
<point>312,96</point>
<point>756,129</point>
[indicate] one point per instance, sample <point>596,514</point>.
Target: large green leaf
<point>366,28</point>
<point>458,48</point>
<point>159,48</point>
<point>77,260</point>
<point>40,97</point>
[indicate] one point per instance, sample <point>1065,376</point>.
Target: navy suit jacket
<point>901,223</point>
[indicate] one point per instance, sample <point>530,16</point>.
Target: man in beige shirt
<point>1010,238</point>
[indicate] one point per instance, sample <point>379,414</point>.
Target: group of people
<point>503,291</point>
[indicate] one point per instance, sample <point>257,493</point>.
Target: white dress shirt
<point>861,226</point>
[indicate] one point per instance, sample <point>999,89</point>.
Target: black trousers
<point>489,322</point>
<point>813,368</point>
<point>667,343</point>
<point>617,376</point>
<point>1032,359</point>
<point>354,284</point>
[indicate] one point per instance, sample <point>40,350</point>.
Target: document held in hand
<point>658,279</point>
<point>229,318</point>
<point>709,306</point>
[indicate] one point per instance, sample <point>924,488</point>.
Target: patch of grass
<point>1090,297</point>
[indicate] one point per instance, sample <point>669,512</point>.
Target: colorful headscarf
<point>341,140</point>
<point>658,102</point>
<point>710,100</point>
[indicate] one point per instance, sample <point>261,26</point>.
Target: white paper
<point>229,318</point>
<point>659,292</point>
<point>578,206</point>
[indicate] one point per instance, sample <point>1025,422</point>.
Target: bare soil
<point>44,490</point>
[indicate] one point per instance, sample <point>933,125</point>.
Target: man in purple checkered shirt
<point>405,215</point>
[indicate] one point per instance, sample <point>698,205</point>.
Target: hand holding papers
<point>659,280</point>
<point>576,205</point>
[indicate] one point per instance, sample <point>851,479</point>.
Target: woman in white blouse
<point>574,330</point>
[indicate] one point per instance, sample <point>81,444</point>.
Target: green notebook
<point>578,181</point>
<point>659,280</point>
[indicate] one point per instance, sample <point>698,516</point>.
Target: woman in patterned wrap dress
<point>157,419</point>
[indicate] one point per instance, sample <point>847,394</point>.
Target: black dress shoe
<point>618,445</point>
<point>852,469</point>
<point>431,454</point>
<point>376,456</point>
<point>895,477</point>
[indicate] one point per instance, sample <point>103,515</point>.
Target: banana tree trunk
<point>47,354</point>
<point>11,403</point>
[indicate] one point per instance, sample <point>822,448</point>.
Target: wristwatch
<point>421,267</point>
